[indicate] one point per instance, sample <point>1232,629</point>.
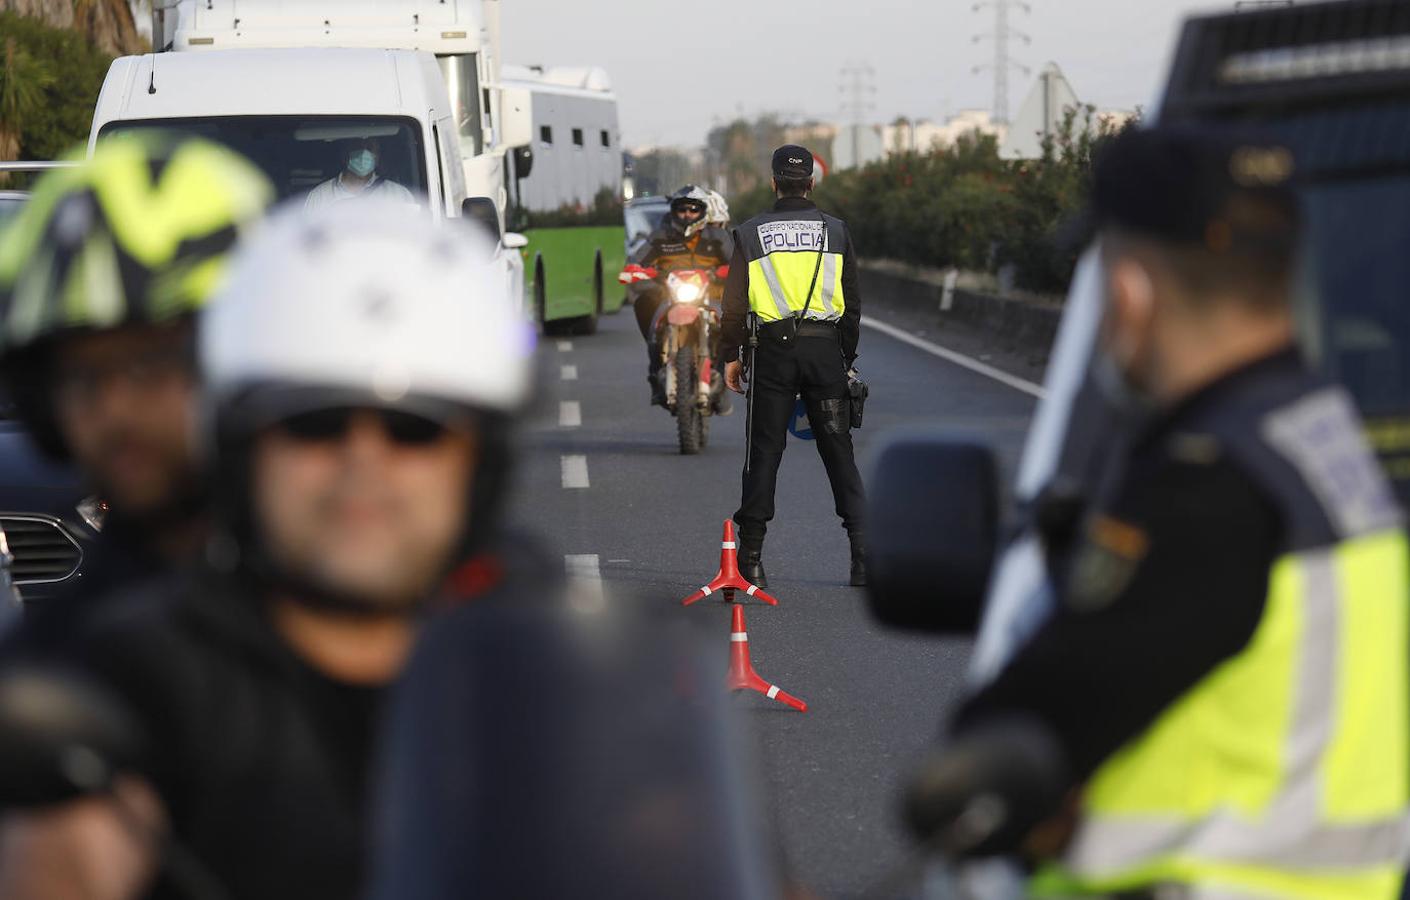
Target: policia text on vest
<point>794,270</point>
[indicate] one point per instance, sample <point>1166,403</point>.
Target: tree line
<point>964,207</point>
<point>53,57</point>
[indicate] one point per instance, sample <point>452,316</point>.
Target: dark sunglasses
<point>324,425</point>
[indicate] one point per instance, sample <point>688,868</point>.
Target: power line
<point>1002,64</point>
<point>857,86</point>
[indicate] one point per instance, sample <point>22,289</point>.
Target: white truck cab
<point>296,113</point>
<point>462,36</point>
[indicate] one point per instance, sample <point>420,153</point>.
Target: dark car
<point>10,203</point>
<point>44,513</point>
<point>641,218</point>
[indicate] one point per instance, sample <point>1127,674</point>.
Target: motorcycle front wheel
<point>692,425</point>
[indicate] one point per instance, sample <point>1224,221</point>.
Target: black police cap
<point>793,161</point>
<point>1183,186</point>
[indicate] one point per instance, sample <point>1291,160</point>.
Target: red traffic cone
<point>742,676</point>
<point>729,580</point>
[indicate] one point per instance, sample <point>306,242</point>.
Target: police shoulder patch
<point>1106,562</point>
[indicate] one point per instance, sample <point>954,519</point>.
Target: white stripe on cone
<point>739,637</point>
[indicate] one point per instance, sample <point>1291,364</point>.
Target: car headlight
<point>93,511</point>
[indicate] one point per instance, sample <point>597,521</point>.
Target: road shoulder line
<point>959,359</point>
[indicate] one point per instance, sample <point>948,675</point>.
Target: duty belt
<point>782,330</point>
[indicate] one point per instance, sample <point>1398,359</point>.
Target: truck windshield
<point>1357,206</point>
<point>463,85</point>
<point>303,154</point>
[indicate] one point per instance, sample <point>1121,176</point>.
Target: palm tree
<point>108,24</point>
<point>23,82</point>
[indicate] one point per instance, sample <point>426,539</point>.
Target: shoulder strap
<point>817,267</point>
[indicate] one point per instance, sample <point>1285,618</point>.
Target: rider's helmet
<point>362,306</point>
<point>716,209</point>
<point>689,209</point>
<point>138,234</point>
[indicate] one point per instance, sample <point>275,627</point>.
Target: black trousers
<point>811,366</point>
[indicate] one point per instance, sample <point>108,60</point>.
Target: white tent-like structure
<point>1040,116</point>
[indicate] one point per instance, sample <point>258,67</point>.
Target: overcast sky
<point>680,66</point>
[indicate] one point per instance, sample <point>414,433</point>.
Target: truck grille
<point>43,551</point>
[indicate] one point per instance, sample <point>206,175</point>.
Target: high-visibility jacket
<point>783,249</point>
<point>1285,772</point>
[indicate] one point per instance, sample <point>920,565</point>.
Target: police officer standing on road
<point>792,296</point>
<point>1225,677</point>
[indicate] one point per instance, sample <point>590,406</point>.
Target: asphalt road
<point>603,481</point>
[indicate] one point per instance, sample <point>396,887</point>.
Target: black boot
<point>751,561</point>
<point>859,560</point>
<point>655,374</point>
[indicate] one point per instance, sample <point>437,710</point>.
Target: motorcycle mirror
<point>986,791</point>
<point>580,733</point>
<point>60,737</point>
<point>933,525</point>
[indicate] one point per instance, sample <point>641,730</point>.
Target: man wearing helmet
<point>100,276</point>
<point>685,239</point>
<point>358,413</point>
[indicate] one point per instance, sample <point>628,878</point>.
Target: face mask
<point>362,162</point>
<point>1129,401</point>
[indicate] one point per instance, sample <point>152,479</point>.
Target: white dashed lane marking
<point>570,414</point>
<point>570,373</point>
<point>575,472</point>
<point>565,346</point>
<point>585,582</point>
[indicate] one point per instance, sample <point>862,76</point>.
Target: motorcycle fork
<point>703,364</point>
<point>669,346</point>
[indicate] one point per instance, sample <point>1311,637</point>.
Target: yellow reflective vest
<point>1283,773</point>
<point>783,250</point>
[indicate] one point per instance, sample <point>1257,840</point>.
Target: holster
<point>857,392</point>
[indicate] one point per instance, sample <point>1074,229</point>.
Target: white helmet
<point>365,302</point>
<point>716,209</point>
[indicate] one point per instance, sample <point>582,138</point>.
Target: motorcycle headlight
<point>688,293</point>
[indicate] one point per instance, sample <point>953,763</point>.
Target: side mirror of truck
<point>932,531</point>
<point>523,161</point>
<point>483,212</point>
<point>516,112</point>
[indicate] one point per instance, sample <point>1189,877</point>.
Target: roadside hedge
<point>76,69</point>
<point>962,206</point>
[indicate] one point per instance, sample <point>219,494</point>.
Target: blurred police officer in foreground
<point>101,275</point>
<point>361,374</point>
<point>795,273</point>
<point>1225,677</point>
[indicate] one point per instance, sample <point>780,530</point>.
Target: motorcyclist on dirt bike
<point>685,239</point>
